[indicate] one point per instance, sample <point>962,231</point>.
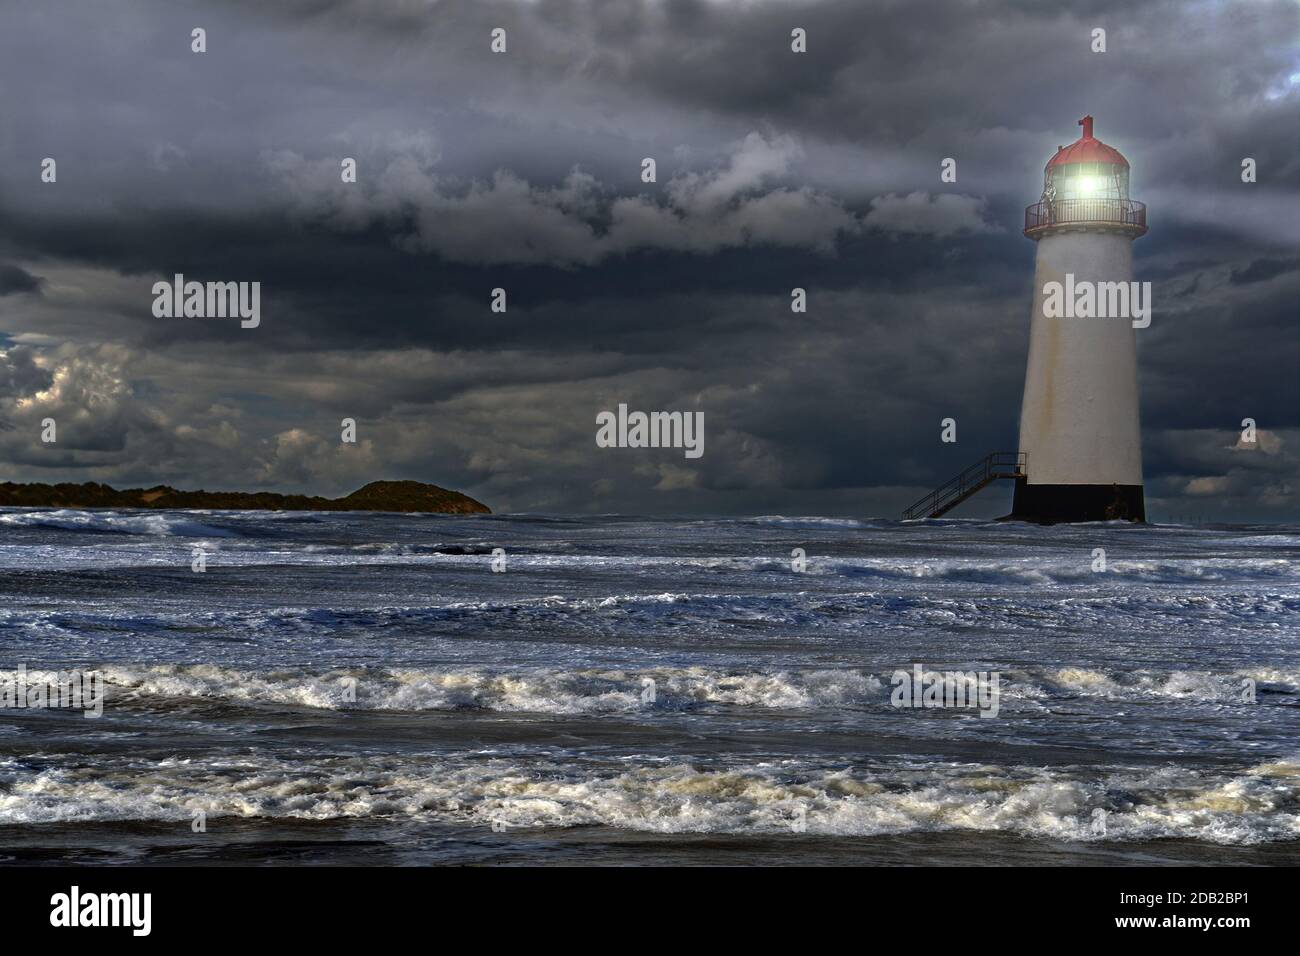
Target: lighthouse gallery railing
<point>1120,212</point>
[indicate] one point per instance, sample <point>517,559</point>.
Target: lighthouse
<point>1080,442</point>
<point>1080,456</point>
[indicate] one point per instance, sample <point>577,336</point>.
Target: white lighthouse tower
<point>1079,433</point>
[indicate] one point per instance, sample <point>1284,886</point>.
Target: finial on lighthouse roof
<point>1086,123</point>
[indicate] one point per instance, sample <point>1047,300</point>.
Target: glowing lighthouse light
<point>1087,169</point>
<point>1079,432</point>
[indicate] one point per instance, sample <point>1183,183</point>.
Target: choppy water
<point>356,687</point>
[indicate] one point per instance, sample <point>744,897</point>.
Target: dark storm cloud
<point>1179,78</point>
<point>522,171</point>
<point>13,279</point>
<point>1261,270</point>
<point>20,375</point>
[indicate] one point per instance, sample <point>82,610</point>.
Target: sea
<point>348,688</point>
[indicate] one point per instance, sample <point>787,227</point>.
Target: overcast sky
<point>522,171</point>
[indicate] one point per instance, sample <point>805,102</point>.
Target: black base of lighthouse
<point>1055,504</point>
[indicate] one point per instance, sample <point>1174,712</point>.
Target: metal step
<point>999,464</point>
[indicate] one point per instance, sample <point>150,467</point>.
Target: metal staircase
<point>1000,464</point>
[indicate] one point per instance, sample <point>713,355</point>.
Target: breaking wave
<point>809,523</point>
<point>595,691</point>
<point>159,525</point>
<point>1225,687</point>
<point>1256,804</point>
<point>540,690</point>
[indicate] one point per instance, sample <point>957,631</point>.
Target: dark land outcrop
<point>404,496</point>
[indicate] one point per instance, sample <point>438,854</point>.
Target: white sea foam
<point>1225,686</point>
<point>1042,570</point>
<point>539,690</point>
<point>162,525</point>
<point>594,691</point>
<point>810,523</point>
<point>1263,541</point>
<point>1258,804</point>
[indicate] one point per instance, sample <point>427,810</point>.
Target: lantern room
<point>1085,185</point>
<point>1086,169</point>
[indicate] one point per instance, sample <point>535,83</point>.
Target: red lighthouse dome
<point>1087,149</point>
